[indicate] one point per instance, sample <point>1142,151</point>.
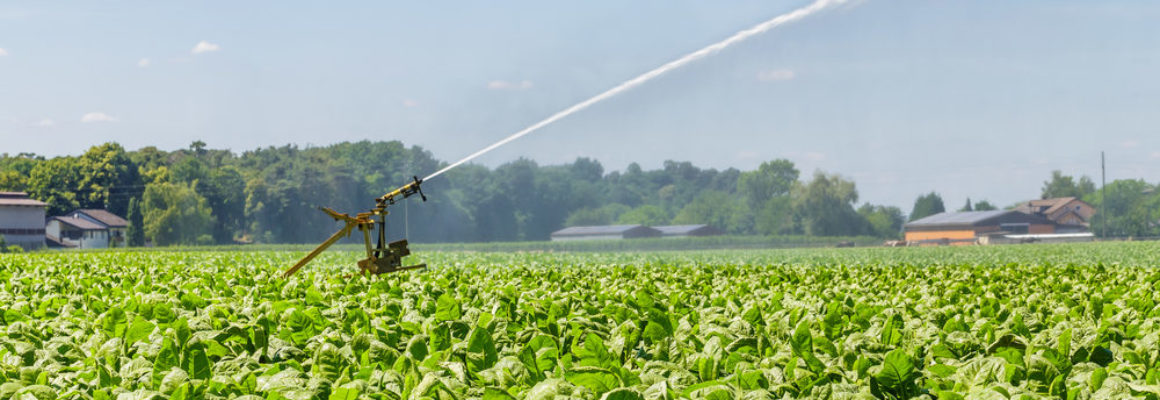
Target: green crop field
<point>1016,322</point>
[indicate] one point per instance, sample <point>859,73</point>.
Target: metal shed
<point>606,232</point>
<point>674,231</point>
<point>22,220</point>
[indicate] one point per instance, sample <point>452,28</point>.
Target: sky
<point>978,98</point>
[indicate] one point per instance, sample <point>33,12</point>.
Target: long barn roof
<point>597,230</point>
<point>965,219</point>
<point>680,229</point>
<point>19,199</point>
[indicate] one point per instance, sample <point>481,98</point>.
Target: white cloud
<point>774,75</point>
<point>46,123</point>
<point>1156,154</point>
<point>98,117</point>
<point>144,63</point>
<point>815,156</point>
<point>410,103</point>
<point>3,52</point>
<point>506,85</point>
<point>204,47</point>
<point>1129,144</point>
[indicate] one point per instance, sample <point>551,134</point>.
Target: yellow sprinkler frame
<point>383,257</point>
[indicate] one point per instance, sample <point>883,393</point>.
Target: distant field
<point>648,244</point>
<point>988,322</point>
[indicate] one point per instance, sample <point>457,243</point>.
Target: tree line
<point>199,195</point>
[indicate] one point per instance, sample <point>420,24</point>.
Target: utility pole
<point>1103,197</point>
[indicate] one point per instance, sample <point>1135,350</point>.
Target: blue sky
<point>978,98</point>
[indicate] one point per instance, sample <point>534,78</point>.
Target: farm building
<point>115,225</point>
<point>676,231</point>
<point>966,227</point>
<point>22,220</point>
<point>1068,213</point>
<point>76,232</point>
<point>606,232</point>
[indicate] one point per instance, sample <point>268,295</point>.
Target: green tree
<point>136,232</point>
<point>927,205</point>
<point>224,190</point>
<point>108,178</point>
<point>984,205</point>
<point>1131,209</point>
<point>587,169</point>
<point>1061,185</point>
<point>604,215</point>
<point>777,217</point>
<point>174,214</point>
<point>967,207</point>
<point>826,206</point>
<point>152,164</point>
<point>648,215</point>
<point>883,221</point>
<point>771,179</point>
<point>719,210</point>
<point>188,170</point>
<point>15,171</point>
<point>56,182</point>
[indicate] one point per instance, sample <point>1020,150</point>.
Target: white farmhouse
<point>87,229</point>
<point>77,233</point>
<point>115,225</point>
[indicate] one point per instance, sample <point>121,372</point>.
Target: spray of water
<point>791,16</point>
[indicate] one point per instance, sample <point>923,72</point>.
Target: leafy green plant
<point>1025,322</point>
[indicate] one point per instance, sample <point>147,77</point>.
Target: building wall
<point>1070,218</point>
<point>1038,229</point>
<point>938,235</point>
<point>23,226</point>
<point>642,233</point>
<point>962,236</point>
<point>95,240</point>
<point>52,228</point>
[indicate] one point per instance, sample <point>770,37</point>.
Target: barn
<point>22,220</point>
<point>965,227</point>
<point>606,232</point>
<point>677,231</point>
